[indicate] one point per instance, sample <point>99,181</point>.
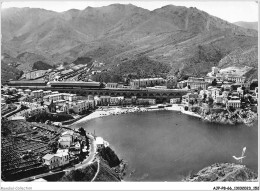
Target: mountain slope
<point>247,25</point>
<point>187,39</point>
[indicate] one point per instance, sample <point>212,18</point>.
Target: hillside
<point>186,39</point>
<point>224,172</point>
<point>247,25</point>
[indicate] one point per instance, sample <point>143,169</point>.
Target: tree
<point>54,146</point>
<point>82,132</point>
<point>214,82</point>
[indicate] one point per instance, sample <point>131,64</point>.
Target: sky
<point>232,11</point>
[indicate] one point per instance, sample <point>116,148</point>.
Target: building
<point>45,93</point>
<point>237,79</point>
<point>175,100</point>
<point>35,74</point>
<point>37,93</point>
<point>60,96</point>
<point>233,103</point>
<point>100,142</point>
<point>146,82</point>
<point>197,84</point>
<point>219,99</point>
<point>214,71</point>
<point>171,81</point>
<point>105,100</point>
<point>127,101</point>
<point>56,160</point>
<point>112,85</point>
<point>209,79</point>
<point>97,101</point>
<point>116,100</point>
<point>214,92</point>
<point>80,106</point>
<point>182,84</point>
<point>65,140</point>
<point>143,101</point>
<point>189,98</point>
<point>27,91</point>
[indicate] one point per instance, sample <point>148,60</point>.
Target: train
<point>88,85</point>
<point>26,83</point>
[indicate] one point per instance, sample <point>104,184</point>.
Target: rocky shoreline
<point>222,172</point>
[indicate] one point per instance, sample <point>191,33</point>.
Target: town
<point>37,112</point>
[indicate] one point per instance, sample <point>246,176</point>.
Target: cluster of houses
<point>222,88</point>
<point>70,145</point>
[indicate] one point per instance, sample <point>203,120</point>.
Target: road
<point>92,153</point>
<point>89,160</point>
<point>10,113</point>
<point>98,168</point>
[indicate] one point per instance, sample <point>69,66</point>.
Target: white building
<point>146,82</point>
<point>56,160</point>
<point>215,70</point>
<point>234,103</point>
<point>237,79</point>
<point>215,92</point>
<point>116,100</point>
<point>111,85</point>
<point>100,142</point>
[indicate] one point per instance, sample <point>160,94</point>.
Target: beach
<point>106,111</point>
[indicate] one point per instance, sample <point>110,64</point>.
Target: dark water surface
<point>167,146</point>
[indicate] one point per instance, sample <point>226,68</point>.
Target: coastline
<point>119,110</point>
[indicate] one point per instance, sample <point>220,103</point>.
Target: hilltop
<point>187,40</point>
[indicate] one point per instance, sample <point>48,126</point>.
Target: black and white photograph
<point>129,91</point>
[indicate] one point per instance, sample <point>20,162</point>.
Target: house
<point>56,160</point>
<point>66,139</point>
<point>100,142</point>
<point>80,106</point>
<point>189,97</point>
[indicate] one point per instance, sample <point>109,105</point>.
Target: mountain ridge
<point>170,35</point>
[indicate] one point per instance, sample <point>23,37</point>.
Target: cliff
<point>223,172</point>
